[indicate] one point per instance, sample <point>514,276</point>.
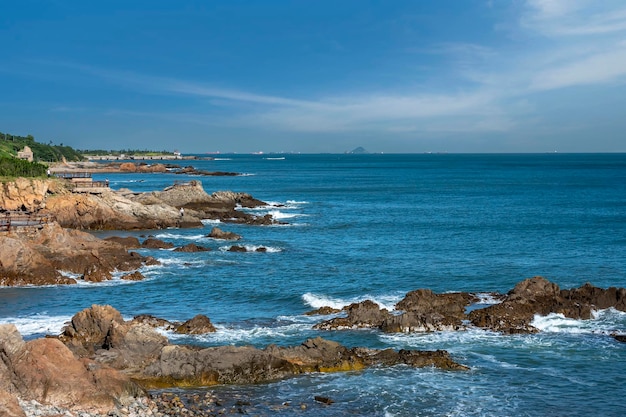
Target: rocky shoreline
<point>102,365</point>
<point>57,250</point>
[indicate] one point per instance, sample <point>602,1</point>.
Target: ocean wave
<point>253,248</point>
<point>486,298</point>
<point>231,335</point>
<point>38,324</point>
<point>178,236</point>
<point>222,159</point>
<point>317,301</point>
<point>210,221</point>
<point>603,322</point>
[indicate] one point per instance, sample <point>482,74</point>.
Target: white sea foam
<point>37,324</point>
<point>178,236</point>
<point>603,321</point>
<point>210,221</point>
<point>253,248</point>
<point>486,298</point>
<point>236,335</point>
<point>317,301</point>
<point>222,159</point>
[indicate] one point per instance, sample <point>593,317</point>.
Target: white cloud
<point>594,69</point>
<point>557,18</point>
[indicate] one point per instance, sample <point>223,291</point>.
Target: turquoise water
<point>378,226</point>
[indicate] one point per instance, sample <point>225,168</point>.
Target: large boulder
<point>24,194</point>
<point>538,296</point>
<point>200,324</point>
<point>45,370</point>
<point>187,366</point>
<point>366,314</point>
<point>217,233</point>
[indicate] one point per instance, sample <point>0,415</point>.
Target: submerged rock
<point>191,248</point>
<point>217,233</point>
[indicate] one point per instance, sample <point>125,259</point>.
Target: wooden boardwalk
<point>81,182</point>
<point>12,219</point>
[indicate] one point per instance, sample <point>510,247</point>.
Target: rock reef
<point>424,311</point>
<point>56,251</point>
<point>101,361</point>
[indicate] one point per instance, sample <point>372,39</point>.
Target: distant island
<point>359,150</point>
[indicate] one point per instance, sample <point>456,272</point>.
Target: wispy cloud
<point>480,91</point>
<point>575,18</point>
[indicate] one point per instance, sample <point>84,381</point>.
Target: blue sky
<point>316,76</point>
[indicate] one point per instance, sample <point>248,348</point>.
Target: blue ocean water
<point>374,227</point>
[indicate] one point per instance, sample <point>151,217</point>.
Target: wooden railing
<point>70,175</point>
<point>12,219</point>
<point>89,184</point>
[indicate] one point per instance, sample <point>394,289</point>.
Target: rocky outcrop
<point>366,314</point>
<point>135,347</point>
<point>200,324</point>
<point>217,233</point>
<point>25,194</point>
<point>191,248</point>
<point>39,258</point>
<point>45,370</point>
<point>142,167</point>
<point>129,242</point>
<point>424,311</point>
<point>186,366</point>
<point>190,170</point>
<point>538,296</point>
<point>152,243</point>
<point>125,210</point>
<point>113,211</point>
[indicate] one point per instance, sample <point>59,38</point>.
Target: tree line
<point>11,144</point>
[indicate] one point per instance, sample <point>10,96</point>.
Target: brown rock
<point>200,324</point>
<point>24,194</point>
<point>9,405</point>
<point>323,311</point>
<point>620,337</point>
<point>153,321</point>
<point>45,370</point>
<point>237,248</point>
<point>425,302</point>
<point>128,167</point>
<point>152,243</point>
<point>89,328</point>
<point>366,314</point>
<point>217,233</point>
<point>135,276</point>
<point>129,242</point>
<point>191,248</point>
<point>94,273</point>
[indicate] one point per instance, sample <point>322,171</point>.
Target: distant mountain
<point>358,150</point>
